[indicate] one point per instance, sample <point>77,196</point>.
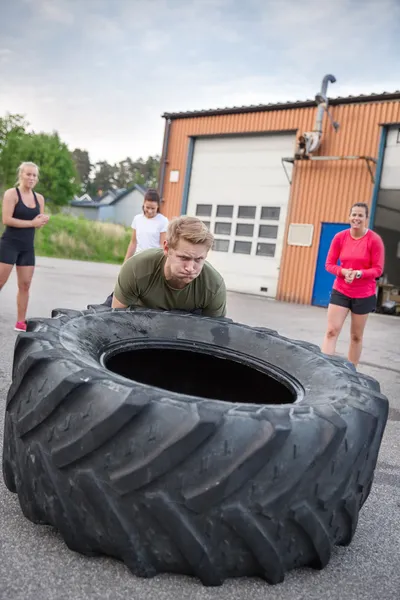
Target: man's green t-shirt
<point>141,282</point>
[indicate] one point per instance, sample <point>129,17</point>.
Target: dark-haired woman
<point>149,229</point>
<point>362,254</point>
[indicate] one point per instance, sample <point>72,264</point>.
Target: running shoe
<point>20,326</point>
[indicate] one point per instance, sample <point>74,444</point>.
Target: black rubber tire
<point>175,483</point>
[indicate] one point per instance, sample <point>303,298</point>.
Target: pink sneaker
<point>20,326</point>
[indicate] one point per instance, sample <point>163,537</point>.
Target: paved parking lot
<point>34,561</point>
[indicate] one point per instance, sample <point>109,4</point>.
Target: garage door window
<point>245,230</point>
<point>247,212</point>
<point>221,245</point>
<point>265,250</point>
<point>268,231</point>
<point>223,228</point>
<point>225,211</point>
<point>270,213</point>
<point>204,210</point>
<point>242,248</point>
<point>236,223</point>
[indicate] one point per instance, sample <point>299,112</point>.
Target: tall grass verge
<point>80,239</point>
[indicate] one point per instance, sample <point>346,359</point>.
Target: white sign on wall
<point>174,176</point>
<point>300,234</point>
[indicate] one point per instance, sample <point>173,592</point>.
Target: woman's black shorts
<point>12,254</point>
<point>358,306</point>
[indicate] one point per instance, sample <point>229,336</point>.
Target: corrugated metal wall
<point>321,191</point>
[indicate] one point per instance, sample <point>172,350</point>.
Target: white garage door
<point>239,189</point>
<point>390,179</point>
<point>388,207</point>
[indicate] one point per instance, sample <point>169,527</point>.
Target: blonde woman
<point>23,212</point>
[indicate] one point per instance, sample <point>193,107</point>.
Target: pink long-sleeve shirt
<point>366,254</point>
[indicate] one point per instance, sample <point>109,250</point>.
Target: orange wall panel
<point>321,190</point>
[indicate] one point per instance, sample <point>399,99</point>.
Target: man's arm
<point>116,303</point>
<point>126,292</point>
<point>217,305</point>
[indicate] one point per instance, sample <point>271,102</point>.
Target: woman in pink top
<point>362,255</point>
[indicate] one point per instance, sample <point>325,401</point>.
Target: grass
<point>80,239</point>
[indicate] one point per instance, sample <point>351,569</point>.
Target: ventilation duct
<point>311,140</point>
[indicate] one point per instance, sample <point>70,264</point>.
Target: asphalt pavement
<point>36,564</point>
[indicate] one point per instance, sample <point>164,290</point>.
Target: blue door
<point>323,280</point>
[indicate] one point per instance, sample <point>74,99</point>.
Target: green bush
<point>80,239</point>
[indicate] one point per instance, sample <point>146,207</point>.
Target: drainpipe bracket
<point>300,157</point>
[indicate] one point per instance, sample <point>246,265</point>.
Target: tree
<point>83,166</point>
<point>129,172</point>
<point>63,173</point>
<point>124,173</point>
<point>104,177</point>
<point>152,170</point>
<point>12,130</point>
<point>11,124</point>
<point>58,178</point>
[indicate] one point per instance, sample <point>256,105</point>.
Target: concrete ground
<point>34,561</point>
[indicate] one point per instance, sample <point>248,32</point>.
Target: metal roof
<point>118,196</point>
<point>362,98</point>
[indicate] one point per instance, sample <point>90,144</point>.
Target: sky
<point>103,72</point>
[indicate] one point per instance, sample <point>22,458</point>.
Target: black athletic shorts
<point>11,254</point>
<point>358,306</point>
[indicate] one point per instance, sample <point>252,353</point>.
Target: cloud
<point>102,29</point>
<point>102,73</point>
<point>312,33</point>
<point>154,41</point>
<point>5,55</point>
<point>58,11</point>
<point>48,99</point>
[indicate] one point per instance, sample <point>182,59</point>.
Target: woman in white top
<point>149,228</point>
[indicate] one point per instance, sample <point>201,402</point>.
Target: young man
<point>175,277</point>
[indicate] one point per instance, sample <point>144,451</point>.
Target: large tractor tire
<point>190,445</point>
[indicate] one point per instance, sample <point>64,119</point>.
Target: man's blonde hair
<point>191,229</point>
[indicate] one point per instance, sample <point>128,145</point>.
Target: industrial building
<point>275,182</point>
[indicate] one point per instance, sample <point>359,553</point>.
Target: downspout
<point>164,160</point>
<point>188,175</point>
<point>378,176</point>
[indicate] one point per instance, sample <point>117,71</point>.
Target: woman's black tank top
<point>22,236</point>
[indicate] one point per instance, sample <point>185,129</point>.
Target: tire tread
<point>221,502</point>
